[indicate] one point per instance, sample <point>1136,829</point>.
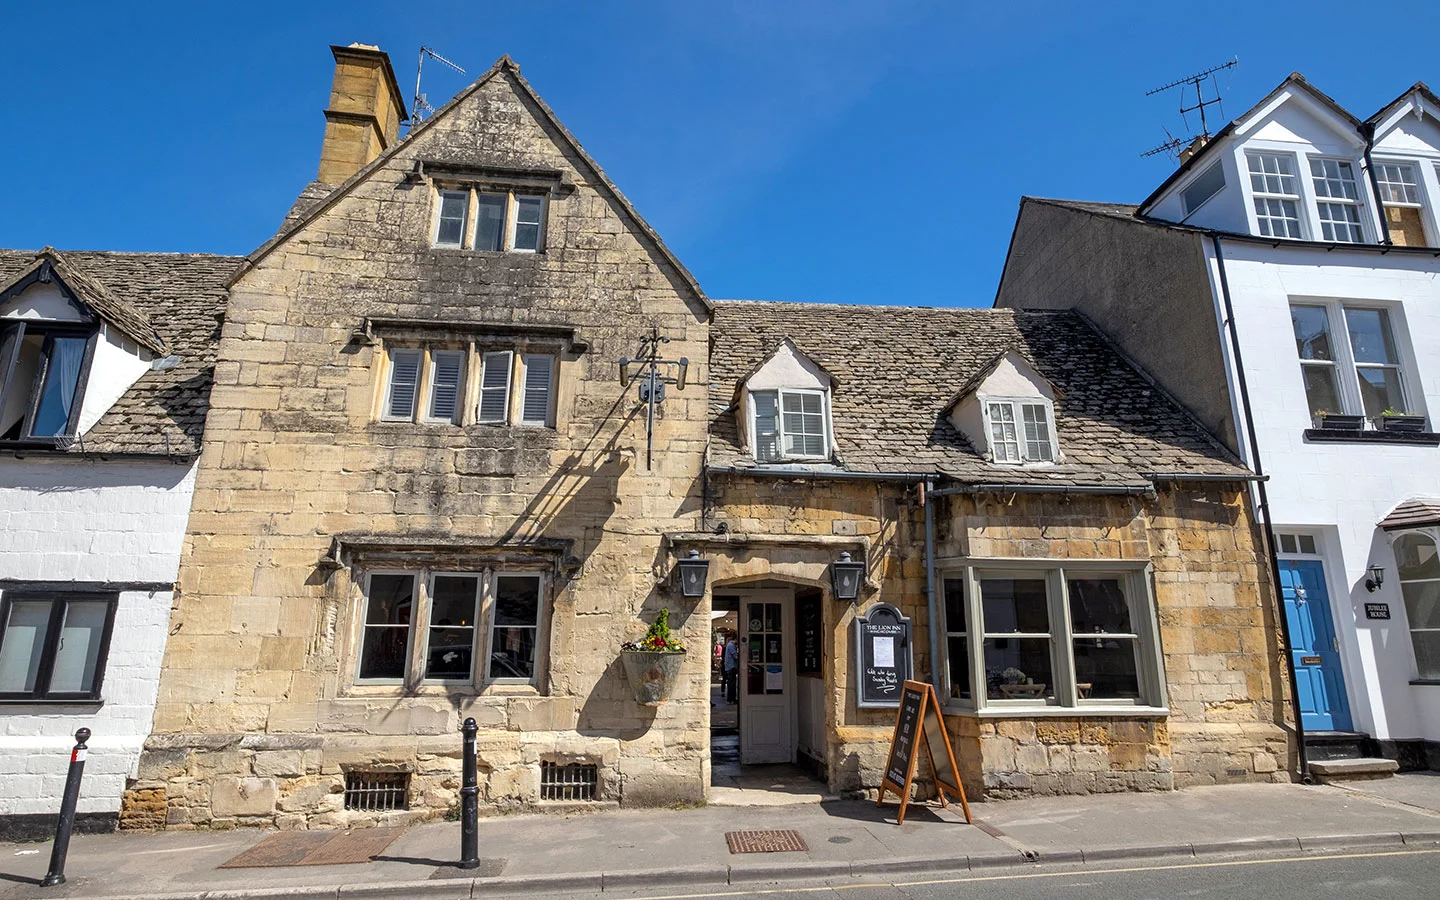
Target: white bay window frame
<point>1135,578</point>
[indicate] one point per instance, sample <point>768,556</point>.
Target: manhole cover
<point>764,841</point>
<point>315,848</point>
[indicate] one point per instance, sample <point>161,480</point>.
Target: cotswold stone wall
<point>1217,628</point>
<point>259,714</point>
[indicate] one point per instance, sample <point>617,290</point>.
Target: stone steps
<point>1326,771</point>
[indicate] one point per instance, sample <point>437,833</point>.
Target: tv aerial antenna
<point>422,107</point>
<point>1198,82</point>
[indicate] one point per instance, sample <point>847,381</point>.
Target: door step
<point>1368,768</point>
<point>1321,746</point>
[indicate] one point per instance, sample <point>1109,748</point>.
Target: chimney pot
<point>1195,147</point>
<point>365,111</point>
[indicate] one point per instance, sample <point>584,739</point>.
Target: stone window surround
<point>359,554</point>
<point>437,175</point>
<point>474,339</point>
<point>419,629</point>
<point>1138,578</point>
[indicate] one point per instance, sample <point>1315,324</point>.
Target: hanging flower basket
<point>653,663</point>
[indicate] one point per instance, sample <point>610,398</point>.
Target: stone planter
<point>652,673</point>
<point>1402,424</point>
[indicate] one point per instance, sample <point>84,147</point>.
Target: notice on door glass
<point>884,652</point>
<point>774,678</point>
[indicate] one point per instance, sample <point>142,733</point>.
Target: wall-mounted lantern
<point>693,572</point>
<point>1375,578</point>
<point>845,577</point>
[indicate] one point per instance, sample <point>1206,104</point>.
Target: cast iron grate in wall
<point>575,781</point>
<point>377,791</point>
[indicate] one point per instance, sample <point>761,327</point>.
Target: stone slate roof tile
<point>899,367</point>
<point>1413,513</point>
<point>182,297</point>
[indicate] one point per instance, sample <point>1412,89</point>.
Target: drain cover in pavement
<point>764,841</point>
<point>315,848</point>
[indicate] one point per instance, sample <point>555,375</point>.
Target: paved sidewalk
<point>628,849</point>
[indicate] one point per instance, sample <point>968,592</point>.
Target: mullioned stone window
<point>434,384</point>
<point>491,218</point>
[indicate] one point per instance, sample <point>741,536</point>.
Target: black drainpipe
<point>932,602</point>
<point>1264,504</point>
<point>1367,131</point>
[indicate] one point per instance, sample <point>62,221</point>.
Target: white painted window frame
<point>1347,370</point>
<point>1136,578</point>
<point>421,637</point>
<point>431,368</point>
<point>510,367</point>
<point>1016,404</point>
<point>420,384</point>
<point>781,455</point>
<point>1356,204</point>
<point>465,218</point>
<point>1299,198</point>
<point>1429,220</point>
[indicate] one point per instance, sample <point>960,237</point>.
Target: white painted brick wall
<point>92,522</point>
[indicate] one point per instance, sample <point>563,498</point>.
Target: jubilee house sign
<point>882,656</point>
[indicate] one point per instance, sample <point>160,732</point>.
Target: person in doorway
<point>731,668</point>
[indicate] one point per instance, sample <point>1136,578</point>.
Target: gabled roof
<point>972,384</point>
<point>1293,80</point>
<point>183,296</point>
<point>1418,87</point>
<point>900,365</point>
<point>308,208</point>
<point>49,264</point>
<point>784,342</point>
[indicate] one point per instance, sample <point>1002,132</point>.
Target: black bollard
<point>469,802</point>
<point>56,875</point>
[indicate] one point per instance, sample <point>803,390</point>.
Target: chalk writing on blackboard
<point>882,656</point>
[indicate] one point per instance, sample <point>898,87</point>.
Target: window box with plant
<point>653,663</point>
<point>1338,421</point>
<point>1401,422</point>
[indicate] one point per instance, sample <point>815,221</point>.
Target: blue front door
<point>1319,682</point>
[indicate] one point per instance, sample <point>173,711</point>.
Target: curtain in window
<point>62,378</point>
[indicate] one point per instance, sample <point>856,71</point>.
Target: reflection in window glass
<point>77,655</point>
<point>1016,668</point>
<point>528,211</point>
<point>516,627</point>
<point>451,648</point>
<point>490,222</point>
<point>1107,664</point>
<point>1419,571</point>
<point>26,628</point>
<point>451,228</point>
<point>388,608</point>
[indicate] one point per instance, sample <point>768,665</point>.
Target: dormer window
<point>1337,200</point>
<point>40,378</point>
<point>1275,193</point>
<point>1020,431</point>
<point>789,424</point>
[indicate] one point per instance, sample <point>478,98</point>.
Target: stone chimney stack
<point>366,108</point>
<point>1195,147</point>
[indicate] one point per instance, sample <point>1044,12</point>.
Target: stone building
<point>1068,496</point>
<point>429,491</point>
<point>105,363</point>
<point>424,494</point>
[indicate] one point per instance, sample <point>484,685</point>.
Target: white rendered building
<point>105,368</point>
<point>1284,285</point>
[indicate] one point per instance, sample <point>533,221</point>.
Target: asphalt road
<point>1402,875</point>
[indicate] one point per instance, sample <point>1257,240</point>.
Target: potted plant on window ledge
<point>1394,421</point>
<point>653,663</point>
<point>1331,421</point>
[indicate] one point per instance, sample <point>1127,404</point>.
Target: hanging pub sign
<point>882,656</point>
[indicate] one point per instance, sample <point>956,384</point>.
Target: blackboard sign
<point>919,719</point>
<point>902,746</point>
<point>882,656</point>
<point>1377,610</point>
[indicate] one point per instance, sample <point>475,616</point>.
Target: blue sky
<point>865,152</point>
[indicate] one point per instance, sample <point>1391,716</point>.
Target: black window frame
<point>58,600</point>
<point>51,330</point>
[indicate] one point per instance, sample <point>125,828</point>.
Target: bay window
<point>1022,634</point>
<point>1419,571</point>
